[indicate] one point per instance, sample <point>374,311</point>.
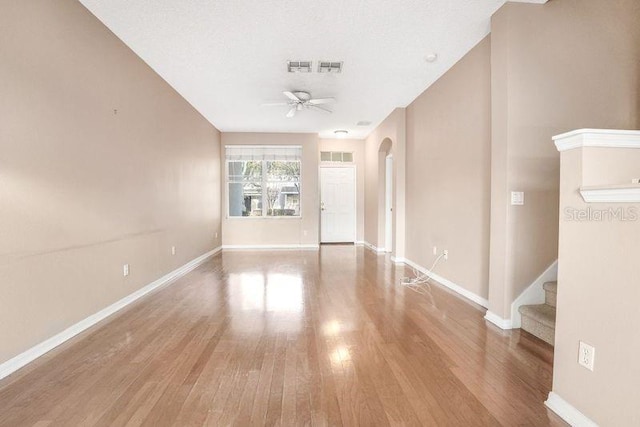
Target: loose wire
<point>420,281</point>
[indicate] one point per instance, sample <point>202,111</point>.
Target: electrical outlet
<point>435,250</point>
<point>586,355</point>
<point>635,181</point>
<point>446,254</point>
<point>125,270</point>
<point>173,250</point>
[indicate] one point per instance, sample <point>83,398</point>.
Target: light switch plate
<point>125,270</point>
<point>517,198</point>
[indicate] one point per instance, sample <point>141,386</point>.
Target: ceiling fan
<point>299,100</point>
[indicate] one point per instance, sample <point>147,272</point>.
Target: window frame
<point>264,183</point>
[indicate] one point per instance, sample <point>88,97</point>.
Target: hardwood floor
<point>289,338</point>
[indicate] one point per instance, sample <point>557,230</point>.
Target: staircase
<point>540,319</point>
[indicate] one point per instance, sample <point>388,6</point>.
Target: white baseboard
<point>534,294</point>
<point>260,247</point>
<point>449,284</point>
<point>568,412</point>
<point>498,321</point>
<point>373,248</point>
<point>17,362</point>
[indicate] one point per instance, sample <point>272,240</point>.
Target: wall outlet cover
<point>586,355</point>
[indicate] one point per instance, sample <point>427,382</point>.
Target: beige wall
<point>448,172</point>
<point>277,231</point>
<point>598,292</point>
<point>356,146</point>
<point>393,128</point>
<point>85,190</point>
<point>556,67</point>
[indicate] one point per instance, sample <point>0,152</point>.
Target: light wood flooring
<point>289,338</point>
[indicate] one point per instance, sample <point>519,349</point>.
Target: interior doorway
<point>337,204</point>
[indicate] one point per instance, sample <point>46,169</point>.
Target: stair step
<point>551,287</point>
<point>550,293</point>
<point>542,313</point>
<point>539,320</point>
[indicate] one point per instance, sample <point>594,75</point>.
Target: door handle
<point>321,206</point>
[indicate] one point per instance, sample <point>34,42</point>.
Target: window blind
<point>263,152</point>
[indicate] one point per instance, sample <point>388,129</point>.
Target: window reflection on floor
<point>284,293</point>
<point>279,293</point>
<point>246,291</point>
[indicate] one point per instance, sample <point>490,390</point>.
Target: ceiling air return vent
<point>299,66</point>
<point>329,67</point>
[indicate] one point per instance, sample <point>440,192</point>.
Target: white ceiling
<point>227,57</point>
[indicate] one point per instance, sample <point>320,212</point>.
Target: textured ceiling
<point>227,57</point>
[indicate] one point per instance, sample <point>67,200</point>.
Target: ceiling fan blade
<point>317,107</point>
<point>274,104</point>
<point>292,112</point>
<point>321,101</point>
<point>291,96</point>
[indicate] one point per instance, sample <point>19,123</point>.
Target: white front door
<point>337,204</point>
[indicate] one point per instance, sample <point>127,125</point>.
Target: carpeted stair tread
<point>543,313</point>
<point>551,293</point>
<point>551,287</point>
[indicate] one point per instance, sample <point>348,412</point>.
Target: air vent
<point>363,123</point>
<point>336,157</point>
<point>299,66</point>
<point>329,67</point>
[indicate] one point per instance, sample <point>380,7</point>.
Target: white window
<point>263,181</point>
